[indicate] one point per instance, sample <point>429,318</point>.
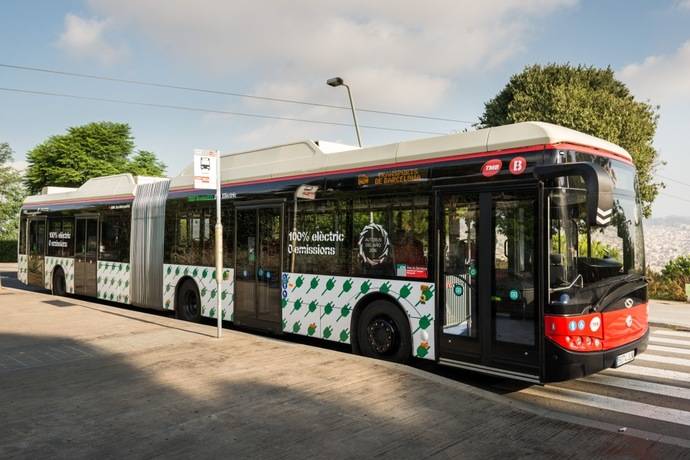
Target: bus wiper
<point>615,286</point>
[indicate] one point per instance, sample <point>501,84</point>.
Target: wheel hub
<point>382,335</point>
<point>191,304</point>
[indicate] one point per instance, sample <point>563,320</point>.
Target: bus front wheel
<point>59,286</point>
<point>383,332</point>
<point>188,304</point>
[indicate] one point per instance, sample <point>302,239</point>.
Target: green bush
<point>8,251</point>
<point>670,283</point>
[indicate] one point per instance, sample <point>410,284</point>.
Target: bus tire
<point>188,301</point>
<point>59,287</point>
<point>383,332</point>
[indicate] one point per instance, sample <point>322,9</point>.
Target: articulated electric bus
<point>516,251</point>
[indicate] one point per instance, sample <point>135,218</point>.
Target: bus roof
<point>311,158</point>
<point>99,188</point>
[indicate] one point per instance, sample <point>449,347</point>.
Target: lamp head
<point>335,81</point>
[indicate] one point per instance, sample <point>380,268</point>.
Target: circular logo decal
<point>629,302</point>
<point>517,165</point>
<point>458,290</point>
<point>374,244</point>
<point>514,294</point>
<point>595,324</point>
<point>492,167</point>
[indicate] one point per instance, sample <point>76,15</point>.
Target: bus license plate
<point>624,358</point>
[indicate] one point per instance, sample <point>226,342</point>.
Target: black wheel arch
<point>179,284</point>
<point>54,273</point>
<point>362,304</point>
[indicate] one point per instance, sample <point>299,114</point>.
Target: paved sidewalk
<point>667,313</point>
<point>81,379</point>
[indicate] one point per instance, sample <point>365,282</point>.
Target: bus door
<point>258,249</point>
<point>36,254</point>
<point>488,254</point>
<point>85,257</point>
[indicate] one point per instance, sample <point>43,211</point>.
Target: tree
<point>670,283</point>
<point>12,194</point>
<point>586,99</point>
<point>91,150</point>
<point>145,163</point>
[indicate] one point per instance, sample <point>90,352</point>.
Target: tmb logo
<point>492,167</point>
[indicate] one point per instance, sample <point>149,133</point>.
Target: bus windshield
<point>584,261</point>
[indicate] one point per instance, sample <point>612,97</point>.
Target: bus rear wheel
<point>188,303</point>
<point>59,285</point>
<point>383,332</point>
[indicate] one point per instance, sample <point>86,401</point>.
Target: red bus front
<point>596,316</point>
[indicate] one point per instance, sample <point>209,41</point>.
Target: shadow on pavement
<point>90,403</point>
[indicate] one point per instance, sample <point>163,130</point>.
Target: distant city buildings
<point>665,239</point>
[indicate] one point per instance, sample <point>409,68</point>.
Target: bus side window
<point>115,237</point>
<point>22,235</point>
<point>391,236</point>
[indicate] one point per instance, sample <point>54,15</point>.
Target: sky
<point>442,58</point>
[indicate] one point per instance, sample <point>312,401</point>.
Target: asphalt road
<point>647,399</point>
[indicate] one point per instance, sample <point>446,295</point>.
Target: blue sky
<point>442,58</point>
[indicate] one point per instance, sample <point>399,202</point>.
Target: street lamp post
<point>337,81</point>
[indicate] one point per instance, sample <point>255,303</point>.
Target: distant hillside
<point>666,238</point>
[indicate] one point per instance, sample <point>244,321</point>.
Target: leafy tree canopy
<point>12,194</point>
<point>92,150</point>
<point>586,99</point>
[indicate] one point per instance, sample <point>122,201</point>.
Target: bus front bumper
<point>562,364</point>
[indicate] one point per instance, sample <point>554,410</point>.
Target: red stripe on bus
<point>590,150</point>
<point>401,164</point>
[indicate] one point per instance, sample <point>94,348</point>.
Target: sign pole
<point>219,251</point>
<point>206,170</point>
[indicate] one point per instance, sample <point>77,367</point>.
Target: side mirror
<point>599,187</point>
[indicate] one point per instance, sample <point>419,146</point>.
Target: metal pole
<point>294,233</point>
<point>219,251</point>
<point>354,114</point>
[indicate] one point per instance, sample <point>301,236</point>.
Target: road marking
<point>654,358</point>
<point>671,332</point>
<point>652,372</point>
<point>638,385</point>
<point>680,351</point>
<point>608,403</point>
<point>665,341</point>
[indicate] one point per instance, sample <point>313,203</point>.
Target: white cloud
<point>662,79</point>
<point>84,38</point>
<point>402,54</point>
<point>683,4</point>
